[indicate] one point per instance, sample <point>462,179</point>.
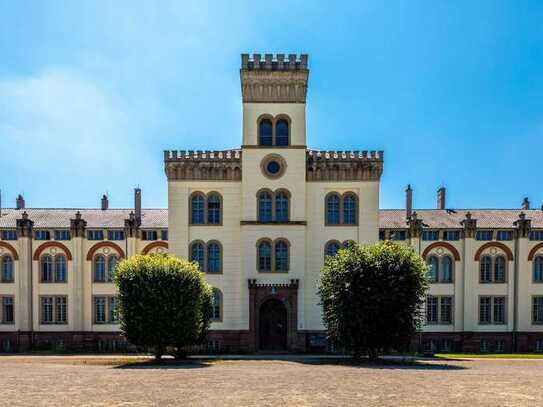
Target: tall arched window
<point>349,209</point>
<point>111,264</point>
<point>214,209</point>
<point>46,268</point>
<point>7,269</point>
<point>264,256</point>
<point>281,132</point>
<point>99,268</point>
<point>485,269</point>
<point>216,302</point>
<point>264,206</point>
<point>281,256</point>
<point>213,258</point>
<point>538,269</point>
<point>197,254</point>
<point>265,132</point>
<point>60,269</point>
<point>446,270</point>
<point>281,206</point>
<point>197,209</point>
<point>433,272</point>
<point>499,269</point>
<point>332,209</point>
<point>331,248</point>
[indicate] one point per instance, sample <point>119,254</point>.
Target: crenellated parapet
<point>274,78</point>
<point>224,165</point>
<point>344,165</point>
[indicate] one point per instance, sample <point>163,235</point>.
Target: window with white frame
<point>54,310</point>
<point>149,235</point>
<point>537,310</point>
<point>504,235</point>
<point>10,234</point>
<point>440,269</point>
<point>430,235</point>
<point>492,269</point>
<point>62,234</point>
<point>439,310</point>
<point>538,269</point>
<point>105,309</point>
<point>451,235</point>
<point>7,311</point>
<point>95,235</point>
<point>115,234</point>
<point>484,235</point>
<point>492,310</point>
<point>6,269</point>
<point>42,235</point>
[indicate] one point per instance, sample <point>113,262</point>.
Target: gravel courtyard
<point>95,381</point>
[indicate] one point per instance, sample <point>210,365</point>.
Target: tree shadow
<point>395,364</point>
<point>165,364</point>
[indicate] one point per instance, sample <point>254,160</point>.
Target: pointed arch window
<point>264,256</point>
<point>197,254</point>
<point>265,206</point>
<point>213,258</point>
<point>99,268</point>
<point>60,269</point>
<point>7,269</point>
<point>538,269</point>
<point>281,133</point>
<point>216,305</point>
<point>265,132</point>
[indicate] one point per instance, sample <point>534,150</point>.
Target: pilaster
<point>131,231</point>
<point>82,281</point>
<point>471,275</point>
<point>25,280</point>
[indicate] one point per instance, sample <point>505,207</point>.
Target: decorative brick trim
<point>153,245</point>
<point>98,246</point>
<point>11,250</point>
<point>446,245</point>
<point>47,245</point>
<point>534,251</point>
<point>499,245</point>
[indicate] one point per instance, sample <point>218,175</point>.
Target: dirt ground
<point>51,380</point>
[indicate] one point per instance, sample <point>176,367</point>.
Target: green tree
<point>372,297</point>
<point>164,302</point>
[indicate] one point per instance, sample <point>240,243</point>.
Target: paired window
<point>53,268</point>
<point>9,234</point>
<point>439,310</point>
<point>115,235</point>
<point>207,255</point>
<point>104,267</point>
<point>492,310</point>
<point>273,256</point>
<point>7,310</point>
<point>504,235</point>
<point>216,305</point>
<point>273,206</point>
<point>451,235</point>
<point>332,247</point>
<point>62,234</point>
<point>430,235</point>
<point>54,309</point>
<point>484,235</point>
<point>95,235</point>
<point>440,269</point>
<point>273,132</point>
<point>341,209</point>
<point>42,235</point>
<point>492,269</point>
<point>105,309</point>
<point>205,209</point>
<point>538,269</point>
<point>536,235</point>
<point>6,265</point>
<point>149,235</point>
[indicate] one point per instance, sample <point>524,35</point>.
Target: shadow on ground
<point>165,364</point>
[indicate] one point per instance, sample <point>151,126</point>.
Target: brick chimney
<point>441,196</point>
<point>20,202</point>
<point>408,201</point>
<point>137,205</point>
<point>105,202</point>
<point>525,204</point>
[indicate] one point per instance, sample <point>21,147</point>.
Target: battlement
<point>346,155</point>
<point>190,165</point>
<point>344,165</point>
<point>202,155</point>
<point>272,62</point>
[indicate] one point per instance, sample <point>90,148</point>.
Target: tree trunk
<point>372,355</point>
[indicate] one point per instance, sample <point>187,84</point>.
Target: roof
<point>158,218</point>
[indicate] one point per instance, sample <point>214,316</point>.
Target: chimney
<point>20,202</point>
<point>105,202</point>
<point>137,205</point>
<point>408,201</point>
<point>441,195</point>
<point>526,203</point>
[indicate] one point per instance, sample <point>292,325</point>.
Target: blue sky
<point>92,92</point>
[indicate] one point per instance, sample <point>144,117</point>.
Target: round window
<point>273,166</point>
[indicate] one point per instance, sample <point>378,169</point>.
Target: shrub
<point>372,297</point>
<point>164,302</point>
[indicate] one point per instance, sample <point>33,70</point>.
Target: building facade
<point>260,220</point>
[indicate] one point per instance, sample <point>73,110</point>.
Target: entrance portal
<point>273,326</point>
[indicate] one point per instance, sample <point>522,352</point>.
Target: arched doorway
<point>273,325</point>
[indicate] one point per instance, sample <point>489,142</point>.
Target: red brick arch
<point>445,245</point>
<point>47,245</point>
<point>534,251</point>
<point>98,246</point>
<point>499,245</point>
<point>151,246</point>
<point>11,250</point>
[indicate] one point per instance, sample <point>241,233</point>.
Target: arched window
<point>99,269</point>
<point>214,209</point>
<point>60,269</point>
<point>197,254</point>
<point>46,269</point>
<point>485,269</point>
<point>264,206</point>
<point>281,206</point>
<point>499,269</point>
<point>213,258</point>
<point>433,272</point>
<point>7,269</point>
<point>264,256</point>
<point>281,133</point>
<point>265,132</point>
<point>446,270</point>
<point>331,248</point>
<point>332,209</point>
<point>197,209</point>
<point>281,256</point>
<point>216,303</point>
<point>111,264</point>
<point>349,209</point>
<point>538,269</point>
